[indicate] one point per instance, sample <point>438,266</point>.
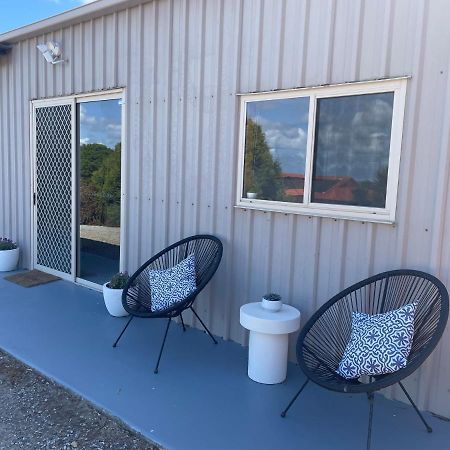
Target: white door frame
<point>118,94</point>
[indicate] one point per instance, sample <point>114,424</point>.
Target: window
<point>330,151</point>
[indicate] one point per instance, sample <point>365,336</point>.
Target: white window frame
<point>360,213</point>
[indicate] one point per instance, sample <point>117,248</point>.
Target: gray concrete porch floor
<point>201,398</point>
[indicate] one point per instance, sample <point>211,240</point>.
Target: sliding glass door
<point>99,189</point>
<point>77,169</point>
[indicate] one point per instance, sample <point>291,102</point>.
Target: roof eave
<point>76,15</point>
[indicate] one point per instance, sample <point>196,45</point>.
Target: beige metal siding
<point>182,64</point>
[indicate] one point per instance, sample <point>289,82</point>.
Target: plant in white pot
<point>272,302</point>
<point>9,255</point>
<point>252,192</point>
<point>112,294</point>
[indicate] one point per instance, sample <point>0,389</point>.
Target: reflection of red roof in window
<point>332,188</point>
<point>292,175</point>
<point>294,192</point>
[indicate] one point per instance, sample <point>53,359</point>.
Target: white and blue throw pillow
<point>173,285</point>
<point>379,343</point>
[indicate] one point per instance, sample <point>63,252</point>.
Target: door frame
<point>74,100</point>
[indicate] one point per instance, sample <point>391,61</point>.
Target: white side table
<point>269,340</point>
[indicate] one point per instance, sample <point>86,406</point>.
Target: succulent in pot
<point>112,294</point>
<point>272,302</point>
<point>9,255</point>
<point>252,193</point>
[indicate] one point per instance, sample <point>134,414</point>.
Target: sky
<point>15,14</point>
<point>359,151</point>
<point>100,122</point>
<point>285,126</point>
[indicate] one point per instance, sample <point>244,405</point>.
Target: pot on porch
<point>9,259</point>
<point>113,301</point>
<point>271,302</point>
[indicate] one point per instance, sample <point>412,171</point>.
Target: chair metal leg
<point>182,321</point>
<point>429,429</point>
<point>123,331</point>
<point>162,345</point>
<point>283,414</point>
<point>370,397</point>
<point>204,326</point>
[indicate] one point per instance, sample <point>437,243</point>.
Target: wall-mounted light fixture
<point>52,52</point>
<point>5,48</point>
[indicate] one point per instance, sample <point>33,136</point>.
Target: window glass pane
<point>275,149</point>
<point>99,153</point>
<point>351,154</point>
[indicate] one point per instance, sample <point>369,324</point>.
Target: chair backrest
<point>207,252</point>
<point>326,335</point>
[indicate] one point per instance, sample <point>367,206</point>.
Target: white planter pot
<point>9,259</point>
<point>271,305</point>
<point>113,301</point>
<point>252,195</point>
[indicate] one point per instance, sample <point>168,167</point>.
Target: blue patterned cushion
<point>378,344</point>
<point>172,285</point>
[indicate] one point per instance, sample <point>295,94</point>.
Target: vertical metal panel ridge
<point>140,170</point>
<point>8,162</point>
<point>414,97</point>
<point>218,114</point>
<point>330,28</point>
<point>177,126</point>
<point>153,101</point>
<point>129,249</point>
<point>357,42</point>
<point>3,124</point>
<point>168,119</point>
<point>233,82</point>
<point>200,119</point>
<point>281,63</point>
<point>116,49</point>
<point>387,37</point>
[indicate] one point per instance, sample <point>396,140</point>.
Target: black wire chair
<point>322,341</point>
<point>137,295</point>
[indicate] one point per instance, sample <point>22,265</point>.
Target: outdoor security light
<point>52,52</point>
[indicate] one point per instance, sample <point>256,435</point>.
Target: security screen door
<point>53,193</point>
<point>77,187</point>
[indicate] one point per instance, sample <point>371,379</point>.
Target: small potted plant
<point>272,302</point>
<point>252,193</point>
<point>9,255</point>
<point>112,294</point>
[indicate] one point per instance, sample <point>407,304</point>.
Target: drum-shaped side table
<point>269,340</point>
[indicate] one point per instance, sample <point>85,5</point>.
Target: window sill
<point>353,213</point>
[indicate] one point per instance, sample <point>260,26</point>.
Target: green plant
<point>7,244</point>
<point>272,297</point>
<point>119,280</point>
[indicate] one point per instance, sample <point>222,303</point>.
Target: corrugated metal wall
<point>182,63</point>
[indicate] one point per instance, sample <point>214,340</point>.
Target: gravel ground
<point>110,235</point>
<point>36,413</point>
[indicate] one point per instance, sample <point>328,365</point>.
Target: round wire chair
<point>137,294</point>
<point>322,341</point>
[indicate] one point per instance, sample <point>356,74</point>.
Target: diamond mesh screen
<point>54,187</point>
